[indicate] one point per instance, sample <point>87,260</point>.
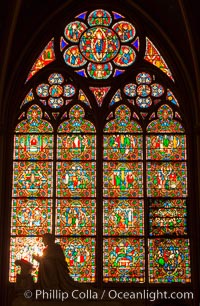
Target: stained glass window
<point>122,186</point>
<point>167,189</point>
<point>76,193</point>
<point>35,206</point>
<point>100,163</point>
<point>32,186</point>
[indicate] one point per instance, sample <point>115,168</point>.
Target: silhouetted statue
<point>53,270</point>
<point>24,279</point>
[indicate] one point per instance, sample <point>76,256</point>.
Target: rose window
<point>99,45</point>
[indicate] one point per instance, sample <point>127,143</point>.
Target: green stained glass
<point>165,122</point>
<point>34,122</point>
<point>76,179</point>
<point>167,179</point>
<point>32,179</point>
<point>123,217</point>
<point>99,17</point>
<point>167,217</point>
<point>75,217</point>
<point>169,261</point>
<point>80,256</point>
<point>122,122</point>
<point>123,179</point>
<point>33,147</point>
<point>124,260</point>
<point>76,147</point>
<point>123,147</point>
<point>24,248</point>
<point>165,147</point>
<point>76,123</point>
<point>31,217</point>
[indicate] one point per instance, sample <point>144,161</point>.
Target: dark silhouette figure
<point>24,280</point>
<point>53,270</point>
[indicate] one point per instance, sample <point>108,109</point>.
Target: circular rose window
<point>99,44</point>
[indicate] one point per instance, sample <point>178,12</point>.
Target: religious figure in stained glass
<point>125,30</point>
<point>125,147</point>
<point>76,147</point>
<point>32,179</point>
<point>123,217</point>
<point>169,260</point>
<point>99,17</point>
<point>121,180</point>
<point>165,147</point>
<point>74,30</point>
<point>153,56</point>
<point>124,260</point>
<point>31,216</point>
<point>45,58</point>
<point>99,44</point>
<point>75,179</point>
<point>75,217</point>
<point>33,147</point>
<point>167,179</point>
